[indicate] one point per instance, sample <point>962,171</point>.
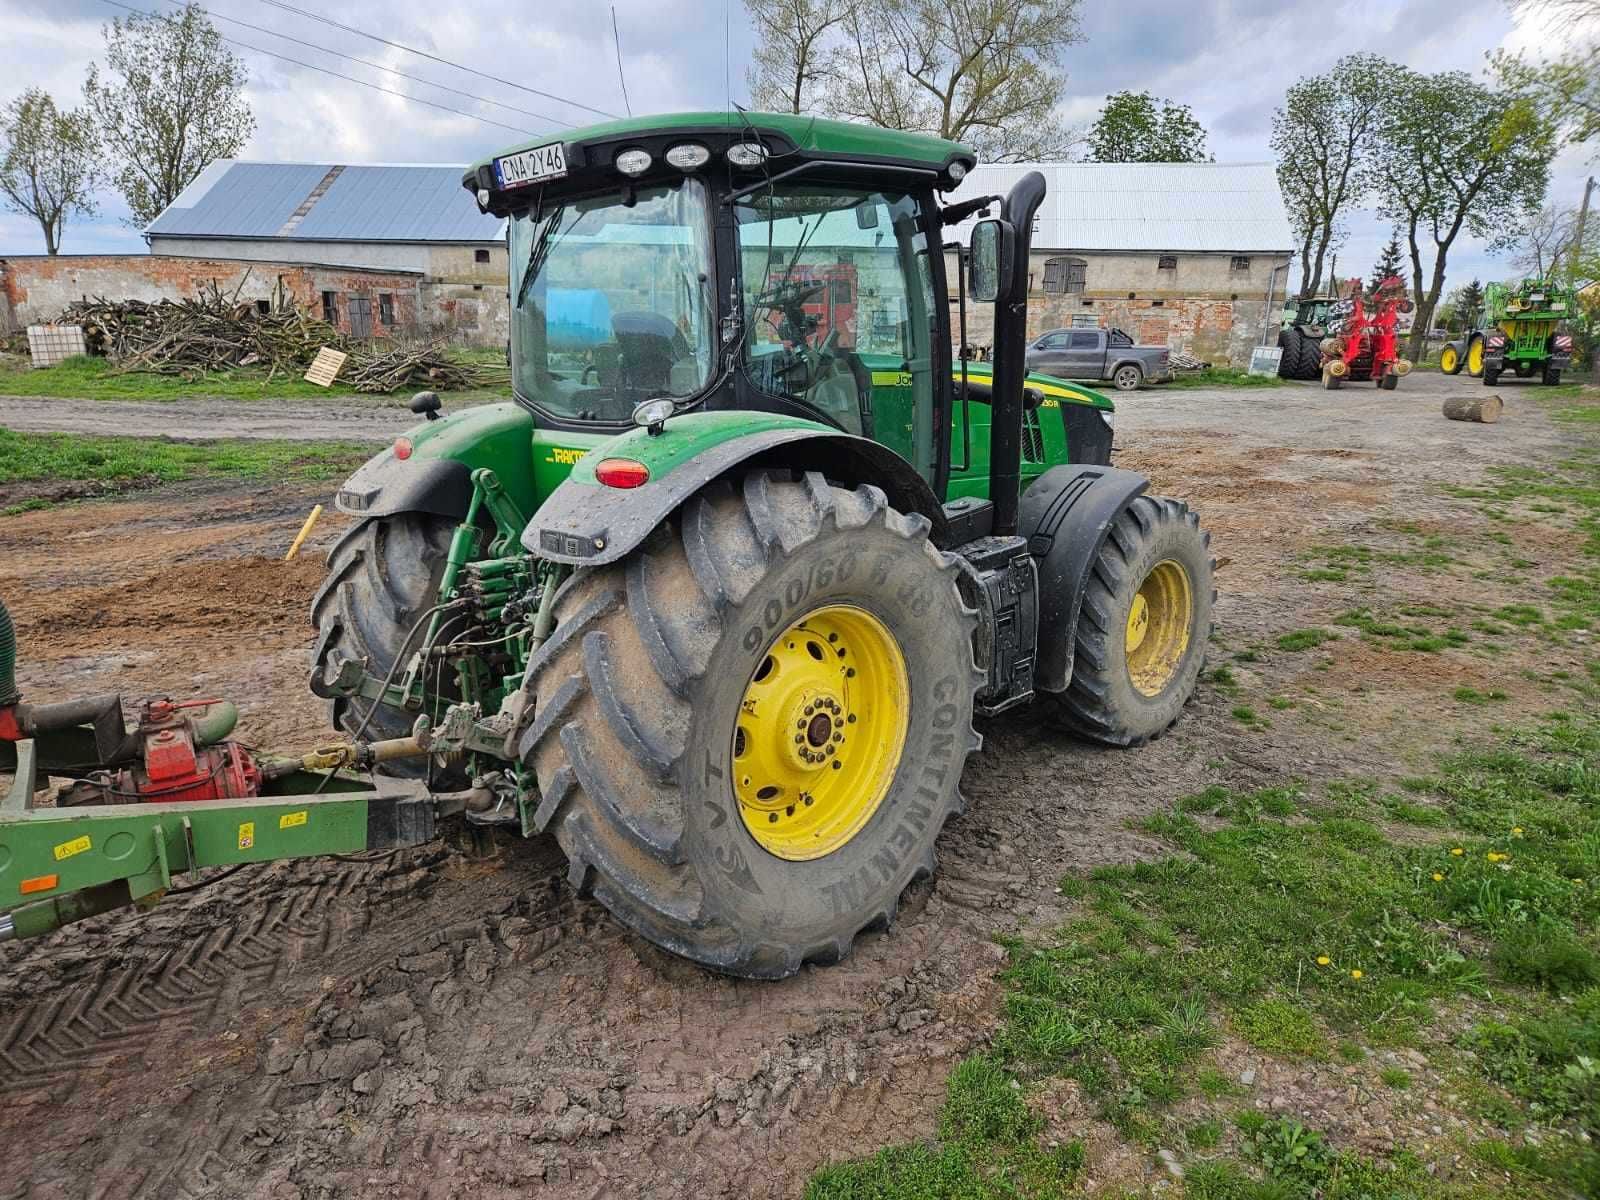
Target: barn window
<point>480,256</point>
<point>385,308</point>
<point>1239,262</point>
<point>330,307</point>
<point>1063,275</point>
<point>1167,262</point>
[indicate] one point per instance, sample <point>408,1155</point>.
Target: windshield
<point>839,310</point>
<point>611,302</point>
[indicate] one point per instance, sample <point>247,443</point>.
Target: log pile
<point>219,332</point>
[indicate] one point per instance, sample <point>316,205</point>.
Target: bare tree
<point>1323,138</point>
<point>985,72</point>
<point>169,103</point>
<point>1501,146</point>
<point>1546,240</point>
<point>50,163</point>
<point>795,54</point>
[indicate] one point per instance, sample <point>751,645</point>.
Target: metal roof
<point>1219,207</point>
<point>327,202</point>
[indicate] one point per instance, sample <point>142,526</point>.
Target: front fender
<point>585,523</point>
<point>1065,515</point>
<point>437,477</point>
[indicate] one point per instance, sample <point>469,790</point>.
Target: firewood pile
<point>215,331</point>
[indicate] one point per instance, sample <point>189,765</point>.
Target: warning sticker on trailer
<point>247,835</point>
<point>290,820</point>
<point>75,846</point>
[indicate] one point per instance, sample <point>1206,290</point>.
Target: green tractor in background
<point>1305,324</point>
<point>1523,327</point>
<point>715,597</point>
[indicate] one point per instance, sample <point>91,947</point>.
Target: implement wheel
<point>749,732</point>
<point>1142,630</point>
<point>383,574</point>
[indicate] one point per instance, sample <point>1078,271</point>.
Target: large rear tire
<point>1141,635</point>
<point>383,574</point>
<point>748,733</point>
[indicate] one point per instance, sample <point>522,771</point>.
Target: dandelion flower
<point>1516,831</point>
<point>1356,974</point>
<point>1323,960</point>
<point>1494,857</point>
<point>1458,852</point>
<point>1437,877</point>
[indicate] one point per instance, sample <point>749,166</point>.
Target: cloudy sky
<point>1230,60</point>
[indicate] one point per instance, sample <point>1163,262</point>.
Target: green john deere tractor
<point>715,598</point>
<point>1523,328</point>
<point>1305,323</point>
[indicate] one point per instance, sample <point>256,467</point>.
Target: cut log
<point>1483,409</point>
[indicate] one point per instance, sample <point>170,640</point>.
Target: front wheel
<point>1450,360</point>
<point>1141,635</point>
<point>1475,357</point>
<point>1127,378</point>
<point>748,734</point>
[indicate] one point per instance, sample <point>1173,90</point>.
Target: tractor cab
<point>760,263</point>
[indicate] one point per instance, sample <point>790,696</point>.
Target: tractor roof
<point>590,152</point>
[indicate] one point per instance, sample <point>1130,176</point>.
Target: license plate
<point>532,166</point>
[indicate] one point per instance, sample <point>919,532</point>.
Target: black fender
<point>590,525</point>
<point>383,486</point>
<point>1066,515</point>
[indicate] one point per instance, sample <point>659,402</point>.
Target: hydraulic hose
<point>8,659</point>
<point>217,723</point>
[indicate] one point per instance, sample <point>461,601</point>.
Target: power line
<point>326,71</point>
<point>616,41</point>
<point>368,63</point>
<point>434,57</point>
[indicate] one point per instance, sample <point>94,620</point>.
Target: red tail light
<point>621,472</point>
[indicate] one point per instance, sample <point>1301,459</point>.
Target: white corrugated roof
<point>1222,207</point>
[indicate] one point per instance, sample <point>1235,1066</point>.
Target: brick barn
<point>1194,256</point>
<point>377,250</point>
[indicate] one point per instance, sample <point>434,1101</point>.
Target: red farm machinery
<point>1363,339</point>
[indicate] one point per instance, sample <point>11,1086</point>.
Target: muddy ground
<point>452,1019</point>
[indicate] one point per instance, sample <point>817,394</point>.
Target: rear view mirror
<point>990,260</point>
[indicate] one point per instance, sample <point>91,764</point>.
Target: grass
<point>1305,639</point>
<point>1399,636</point>
<point>96,379</point>
<point>110,464</point>
<point>1223,377</point>
<point>1290,920</point>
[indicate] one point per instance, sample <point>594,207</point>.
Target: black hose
<point>8,659</point>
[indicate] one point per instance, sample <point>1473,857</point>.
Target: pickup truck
<point>1099,354</point>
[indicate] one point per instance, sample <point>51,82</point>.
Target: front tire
<point>749,733</point>
<point>383,574</point>
<point>1450,360</point>
<point>1141,635</point>
<point>1127,378</point>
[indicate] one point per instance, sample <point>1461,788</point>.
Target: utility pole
<point>1593,338</point>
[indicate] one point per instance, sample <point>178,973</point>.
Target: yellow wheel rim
<point>1158,627</point>
<point>820,732</point>
<point>1475,358</point>
<point>1447,359</point>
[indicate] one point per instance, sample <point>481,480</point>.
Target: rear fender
<point>584,523</point>
<point>1066,515</point>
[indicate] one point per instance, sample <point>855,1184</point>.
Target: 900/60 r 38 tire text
<point>749,732</point>
<point>383,574</point>
<point>1141,634</point>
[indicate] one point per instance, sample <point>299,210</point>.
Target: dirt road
<point>453,1020</point>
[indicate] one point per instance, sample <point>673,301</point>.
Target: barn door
<point>360,316</point>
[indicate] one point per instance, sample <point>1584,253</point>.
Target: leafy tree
<point>1547,241</point>
<point>168,103</point>
<point>50,163</point>
<point>1565,89</point>
<point>985,72</point>
<point>1500,145</point>
<point>1462,308</point>
<point>1324,138</point>
<point>1137,127</point>
<point>1388,262</point>
<point>794,57</point>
